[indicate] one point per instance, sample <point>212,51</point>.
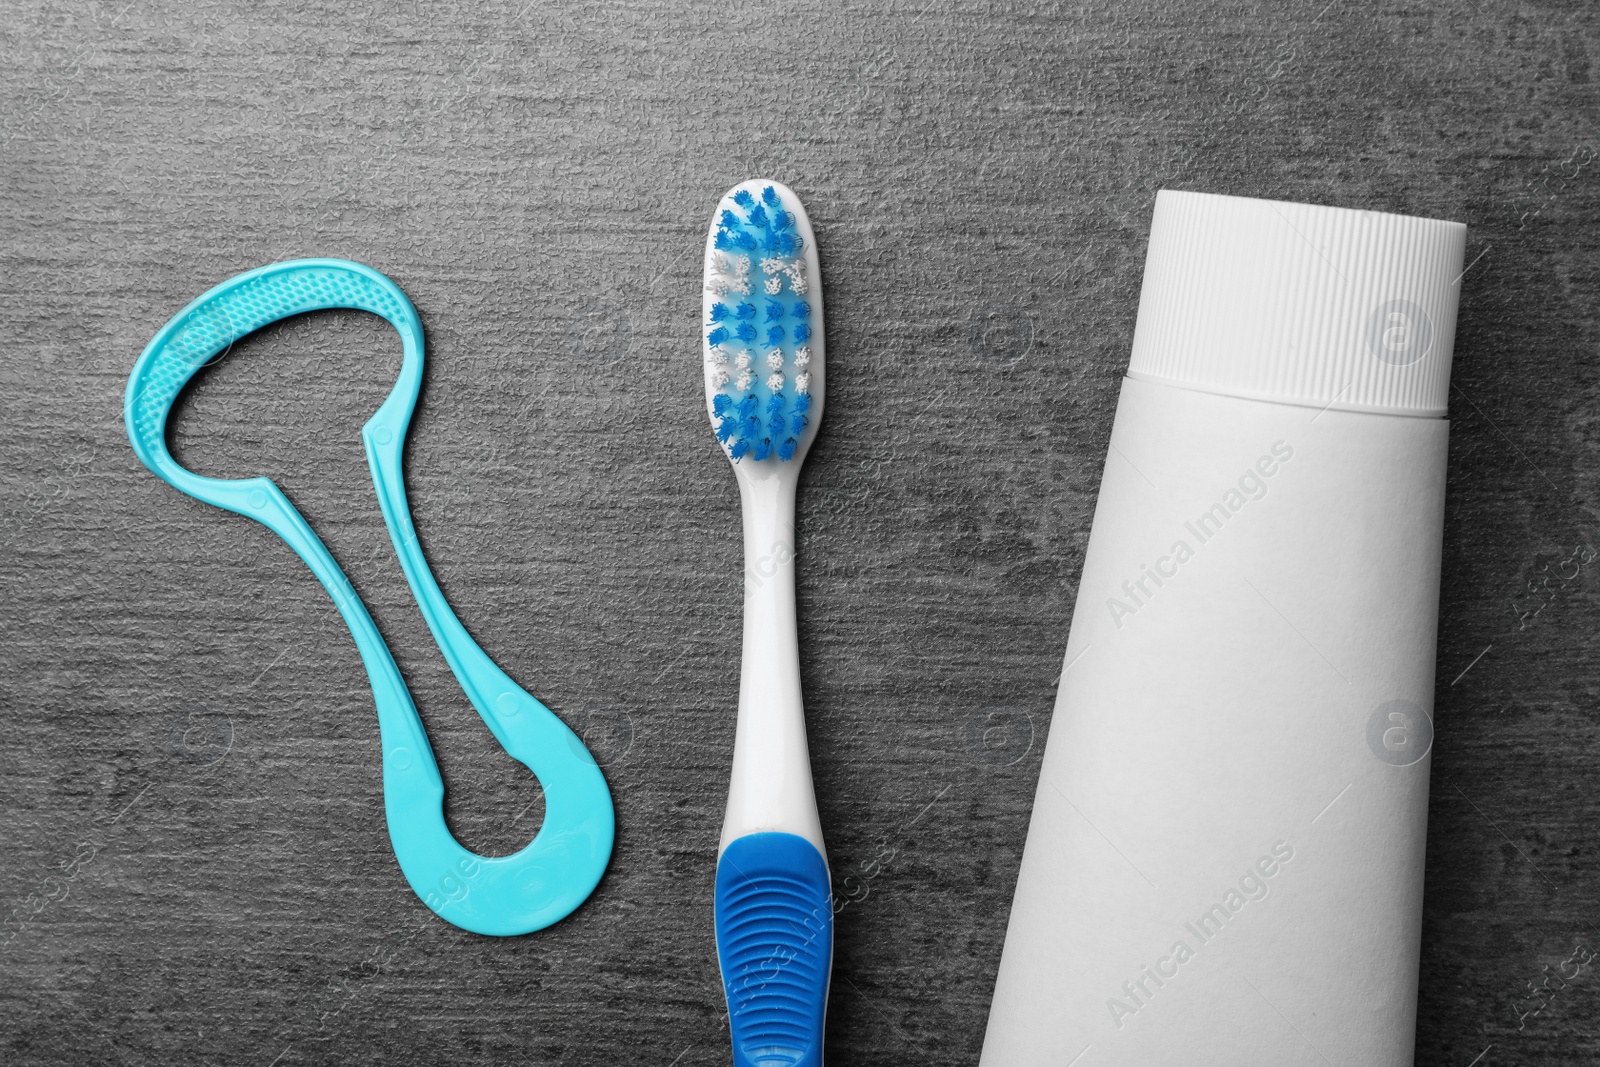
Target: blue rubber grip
<point>775,945</point>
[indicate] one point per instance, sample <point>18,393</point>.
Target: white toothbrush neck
<point>770,789</point>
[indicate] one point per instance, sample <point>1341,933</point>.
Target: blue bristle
<point>802,333</point>
<point>747,406</point>
<point>782,220</point>
<point>770,195</point>
<point>717,336</point>
<point>758,217</point>
<point>774,312</point>
<point>722,403</point>
<point>725,428</point>
<point>750,427</point>
<point>800,424</point>
<point>747,333</point>
<point>802,403</point>
<point>730,220</point>
<point>745,310</point>
<point>744,199</point>
<point>778,423</point>
<point>763,449</point>
<point>719,312</point>
<point>782,243</point>
<point>739,448</point>
<point>802,310</point>
<point>774,404</point>
<point>737,241</point>
<point>775,335</point>
<point>786,450</point>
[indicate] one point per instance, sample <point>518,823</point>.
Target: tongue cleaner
<point>503,895</point>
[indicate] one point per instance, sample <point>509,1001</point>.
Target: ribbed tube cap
<point>1320,306</point>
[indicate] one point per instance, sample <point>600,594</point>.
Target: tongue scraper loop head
<point>503,895</point>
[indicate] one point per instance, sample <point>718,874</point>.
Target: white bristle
<point>775,359</point>
<point>719,377</point>
<point>802,356</point>
<point>728,274</point>
<point>773,285</point>
<point>771,265</point>
<point>744,380</point>
<point>797,278</point>
<point>802,383</point>
<point>775,383</point>
<point>742,360</point>
<point>722,284</point>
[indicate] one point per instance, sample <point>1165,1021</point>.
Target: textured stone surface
<point>192,829</point>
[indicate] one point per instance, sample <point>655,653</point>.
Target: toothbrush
<point>764,377</point>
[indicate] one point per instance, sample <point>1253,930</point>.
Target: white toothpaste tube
<point>1225,859</point>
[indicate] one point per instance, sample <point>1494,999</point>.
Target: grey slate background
<point>195,863</point>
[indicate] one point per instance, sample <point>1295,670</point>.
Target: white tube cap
<point>1320,306</point>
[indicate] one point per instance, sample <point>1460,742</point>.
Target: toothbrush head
<point>762,326</point>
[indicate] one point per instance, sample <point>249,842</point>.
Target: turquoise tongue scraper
<point>502,895</point>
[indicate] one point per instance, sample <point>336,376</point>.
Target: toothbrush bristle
<point>757,249</point>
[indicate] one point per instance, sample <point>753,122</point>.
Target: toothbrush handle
<point>774,905</point>
<point>770,788</point>
<point>775,945</point>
